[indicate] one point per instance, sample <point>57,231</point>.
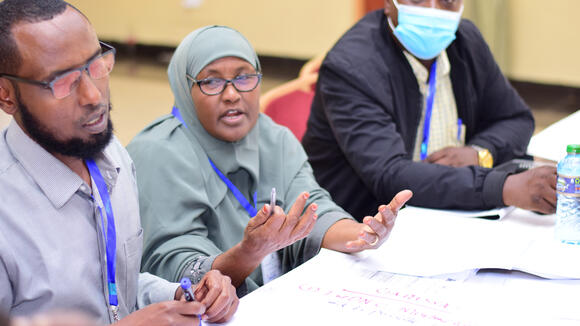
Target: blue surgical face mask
<point>425,32</point>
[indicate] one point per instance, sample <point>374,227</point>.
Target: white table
<point>438,268</point>
<point>362,289</point>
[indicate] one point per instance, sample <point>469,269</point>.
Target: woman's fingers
<point>399,200</point>
<point>305,224</point>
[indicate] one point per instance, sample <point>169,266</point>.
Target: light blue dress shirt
<point>52,252</point>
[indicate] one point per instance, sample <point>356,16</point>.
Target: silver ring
<point>374,242</point>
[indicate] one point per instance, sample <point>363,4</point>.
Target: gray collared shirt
<point>52,250</point>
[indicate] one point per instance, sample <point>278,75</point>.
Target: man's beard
<point>74,147</point>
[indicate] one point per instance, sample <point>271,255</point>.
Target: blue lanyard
<point>177,114</point>
<point>243,201</point>
<point>110,235</point>
<point>429,109</point>
<point>252,210</point>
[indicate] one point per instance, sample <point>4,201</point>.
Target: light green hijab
<point>200,48</point>
<point>187,211</point>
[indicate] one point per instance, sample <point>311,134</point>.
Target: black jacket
<point>365,114</point>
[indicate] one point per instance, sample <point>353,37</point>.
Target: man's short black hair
<point>13,12</point>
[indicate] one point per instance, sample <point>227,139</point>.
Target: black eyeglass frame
<point>226,82</point>
<point>50,84</point>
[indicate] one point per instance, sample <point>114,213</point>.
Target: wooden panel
<point>296,29</point>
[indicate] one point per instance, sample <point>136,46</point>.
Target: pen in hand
<point>189,296</point>
<point>272,200</point>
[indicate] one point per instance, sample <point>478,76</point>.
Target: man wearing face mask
<point>411,97</point>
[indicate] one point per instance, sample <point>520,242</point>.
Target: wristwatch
<point>484,156</point>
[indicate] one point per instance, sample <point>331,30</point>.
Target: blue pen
<point>186,286</point>
<point>459,123</point>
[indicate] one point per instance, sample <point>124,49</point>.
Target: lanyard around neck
<point>110,235</point>
<point>429,109</point>
<point>252,210</point>
<point>177,114</point>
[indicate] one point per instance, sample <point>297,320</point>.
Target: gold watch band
<point>484,156</point>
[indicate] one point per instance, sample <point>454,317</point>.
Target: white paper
<point>521,299</point>
<point>380,287</point>
<point>335,289</point>
<point>551,142</point>
<point>496,213</point>
<point>338,289</point>
<point>428,242</point>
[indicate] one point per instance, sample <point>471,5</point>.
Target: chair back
<point>289,104</point>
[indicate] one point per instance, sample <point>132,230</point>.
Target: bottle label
<point>569,186</point>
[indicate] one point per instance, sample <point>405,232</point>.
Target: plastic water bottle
<point>568,190</point>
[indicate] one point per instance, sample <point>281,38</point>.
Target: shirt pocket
<point>133,248</point>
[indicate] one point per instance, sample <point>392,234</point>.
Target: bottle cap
<point>573,149</point>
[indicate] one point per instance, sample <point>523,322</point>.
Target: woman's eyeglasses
<point>215,86</point>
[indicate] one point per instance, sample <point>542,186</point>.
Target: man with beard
<point>70,235</point>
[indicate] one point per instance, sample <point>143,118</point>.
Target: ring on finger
<point>374,242</point>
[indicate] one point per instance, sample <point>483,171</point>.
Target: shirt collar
<point>421,73</point>
<point>56,180</point>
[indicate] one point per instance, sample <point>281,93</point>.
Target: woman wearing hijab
<point>206,174</point>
